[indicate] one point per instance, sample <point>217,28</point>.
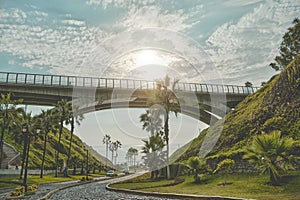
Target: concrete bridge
<point>205,102</point>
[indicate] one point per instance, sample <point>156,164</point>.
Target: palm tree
<point>75,117</point>
<point>116,145</point>
<point>8,112</point>
<point>154,156</point>
<point>62,108</point>
<point>32,125</point>
<point>112,149</point>
<point>272,154</point>
<point>168,100</point>
<point>47,123</point>
<point>197,164</point>
<point>106,140</point>
<point>151,121</point>
<point>131,154</point>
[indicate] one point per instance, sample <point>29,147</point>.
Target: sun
<point>149,57</point>
<point>149,64</point>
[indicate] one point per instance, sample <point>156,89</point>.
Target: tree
<point>197,165</point>
<point>289,47</point>
<point>151,121</point>
<point>165,97</point>
<point>131,154</point>
<point>106,140</point>
<point>271,154</point>
<point>225,166</point>
<point>129,157</point>
<point>116,145</point>
<point>9,113</point>
<point>47,123</point>
<point>154,156</point>
<point>248,84</point>
<point>74,117</point>
<point>62,108</point>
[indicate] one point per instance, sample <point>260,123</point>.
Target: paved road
<point>97,191</point>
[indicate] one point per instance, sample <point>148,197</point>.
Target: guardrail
<point>77,81</point>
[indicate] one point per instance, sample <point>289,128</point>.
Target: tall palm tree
<point>62,108</point>
<point>106,140</point>
<point>32,125</point>
<point>116,145</point>
<point>8,112</point>
<point>166,97</point>
<point>272,154</point>
<point>129,157</point>
<point>74,117</point>
<point>154,156</point>
<point>133,153</point>
<point>47,123</point>
<point>112,149</point>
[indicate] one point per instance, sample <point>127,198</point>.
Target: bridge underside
<point>94,99</point>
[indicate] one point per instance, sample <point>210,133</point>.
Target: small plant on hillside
<point>198,165</point>
<point>272,154</point>
<point>225,167</point>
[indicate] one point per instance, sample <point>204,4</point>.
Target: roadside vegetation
<point>257,155</point>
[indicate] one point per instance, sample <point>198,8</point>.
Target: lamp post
<point>87,165</point>
<point>24,133</point>
<point>27,136</point>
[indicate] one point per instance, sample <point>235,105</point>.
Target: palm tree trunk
<point>166,127</point>
<point>106,155</point>
<point>44,154</point>
<point>112,157</point>
<point>23,156</point>
<point>2,138</point>
<point>58,147</point>
<point>71,138</point>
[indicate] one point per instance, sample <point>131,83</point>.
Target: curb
<point>173,195</point>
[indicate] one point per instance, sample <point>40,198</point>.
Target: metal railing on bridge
<point>77,81</point>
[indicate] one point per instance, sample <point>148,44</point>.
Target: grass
<point>14,181</point>
<point>243,185</point>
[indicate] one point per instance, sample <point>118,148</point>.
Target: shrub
<point>18,191</point>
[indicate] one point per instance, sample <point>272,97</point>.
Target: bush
<point>32,188</point>
<point>18,191</point>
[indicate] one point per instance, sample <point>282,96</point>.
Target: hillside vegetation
<point>78,151</point>
<point>276,106</point>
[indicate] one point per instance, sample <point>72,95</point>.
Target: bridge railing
<point>76,81</point>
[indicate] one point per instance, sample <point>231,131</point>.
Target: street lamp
<point>87,165</point>
<point>27,136</point>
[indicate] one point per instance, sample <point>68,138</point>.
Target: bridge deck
<point>93,82</point>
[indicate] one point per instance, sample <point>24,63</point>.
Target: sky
<point>219,41</point>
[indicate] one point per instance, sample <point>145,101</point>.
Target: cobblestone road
<point>97,191</point>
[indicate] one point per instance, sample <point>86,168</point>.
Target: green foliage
<point>18,191</point>
<point>272,154</point>
<point>198,165</point>
<point>154,157</point>
<point>225,166</point>
<point>289,48</point>
<point>276,106</point>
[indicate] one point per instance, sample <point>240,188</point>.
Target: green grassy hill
<point>78,152</point>
<point>276,106</point>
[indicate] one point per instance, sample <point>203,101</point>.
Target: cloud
<point>154,16</point>
<point>119,3</point>
<point>251,44</point>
